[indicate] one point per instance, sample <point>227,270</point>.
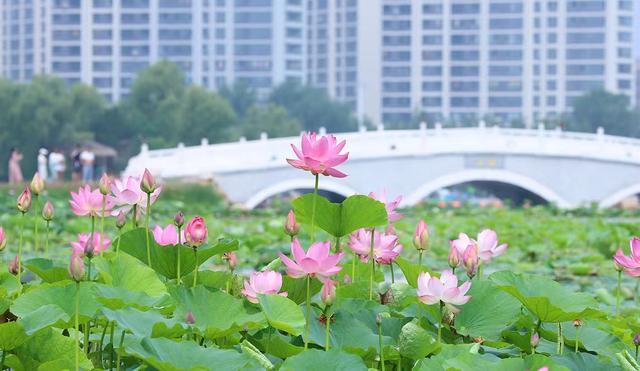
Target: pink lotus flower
<point>85,247</point>
<point>24,200</point>
<point>166,236</point>
<point>195,232</point>
<point>76,267</point>
<point>392,214</point>
<point>432,290</point>
<point>319,156</point>
<point>127,193</point>
<point>290,226</point>
<point>315,262</point>
<point>421,236</point>
<point>3,239</point>
<point>488,247</point>
<point>328,292</point>
<point>267,282</point>
<point>461,243</point>
<point>385,246</point>
<point>630,264</point>
<point>88,202</point>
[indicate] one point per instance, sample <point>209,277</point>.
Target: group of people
<point>52,165</point>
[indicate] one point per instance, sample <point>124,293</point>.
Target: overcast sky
<point>637,26</point>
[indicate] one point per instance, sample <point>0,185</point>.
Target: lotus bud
<point>535,339</point>
<point>47,211</point>
<point>328,292</point>
<point>121,220</point>
<point>178,219</point>
<point>617,266</point>
<point>76,267</point>
<point>148,183</point>
<point>189,318</point>
<point>24,200</point>
<point>14,266</point>
<point>636,340</point>
<point>577,323</point>
<point>454,259</point>
<point>478,339</point>
<point>231,258</point>
<point>421,236</point>
<point>89,249</point>
<point>3,239</point>
<point>346,279</point>
<point>290,226</point>
<point>36,185</point>
<point>378,319</point>
<point>104,185</point>
<point>470,260</point>
<point>195,232</point>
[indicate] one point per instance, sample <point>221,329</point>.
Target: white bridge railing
<point>205,160</point>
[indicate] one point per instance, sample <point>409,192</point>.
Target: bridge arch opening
<point>293,187</point>
<point>503,182</point>
<point>626,197</point>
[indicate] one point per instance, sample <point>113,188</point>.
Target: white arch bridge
<point>565,168</point>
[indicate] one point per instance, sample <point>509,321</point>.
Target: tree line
<point>160,110</point>
<point>163,110</point>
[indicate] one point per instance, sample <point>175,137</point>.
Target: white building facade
<point>392,61</point>
<point>105,43</point>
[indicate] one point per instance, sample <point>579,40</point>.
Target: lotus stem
<point>479,271</point>
<point>46,241</point>
<point>120,347</point>
<point>113,324</point>
<point>20,248</point>
<point>577,337</point>
<point>178,258</point>
<point>118,244</point>
<point>353,268</point>
<point>637,346</point>
<point>420,260</point>
<point>134,220</point>
<point>619,289</point>
<point>195,272</point>
<point>36,242</point>
<point>104,333</point>
<point>148,213</point>
<point>337,245</point>
<point>308,303</point>
<point>380,341</point>
<point>87,329</point>
<point>393,279</point>
<point>373,264</point>
<point>559,342</point>
<point>104,206</point>
<point>77,323</point>
<point>313,208</point>
<point>326,335</point>
<point>89,270</point>
<point>441,322</point>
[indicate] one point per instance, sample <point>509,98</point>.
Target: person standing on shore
<point>43,163</point>
<point>87,159</point>
<point>76,164</point>
<point>15,173</point>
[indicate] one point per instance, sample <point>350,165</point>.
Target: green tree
<point>205,115</point>
<point>610,111</point>
<point>153,106</point>
<point>271,119</point>
<point>240,96</point>
<point>313,108</point>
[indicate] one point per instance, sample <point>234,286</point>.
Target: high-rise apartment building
<point>464,60</point>
<point>390,60</point>
<point>107,42</point>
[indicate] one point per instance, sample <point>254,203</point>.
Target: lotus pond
<point>241,289</point>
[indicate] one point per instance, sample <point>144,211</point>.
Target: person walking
<point>15,173</point>
<point>43,164</point>
<point>57,165</point>
<point>87,159</point>
<point>77,164</point>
